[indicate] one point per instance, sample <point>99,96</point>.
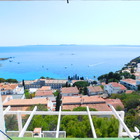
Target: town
<point>119,89</point>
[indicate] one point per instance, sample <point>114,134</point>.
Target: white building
<point>38,83</point>
<point>138,67</point>
<point>130,83</point>
<point>7,88</point>
<point>114,87</point>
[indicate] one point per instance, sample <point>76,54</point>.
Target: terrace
<point>22,129</point>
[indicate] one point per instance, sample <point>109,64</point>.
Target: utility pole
<point>2,122</point>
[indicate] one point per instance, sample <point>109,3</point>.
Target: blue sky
<point>79,22</point>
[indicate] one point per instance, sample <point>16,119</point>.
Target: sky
<point>79,22</point>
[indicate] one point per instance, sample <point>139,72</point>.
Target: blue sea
<point>61,61</point>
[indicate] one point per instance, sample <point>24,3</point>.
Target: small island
<point>4,59</point>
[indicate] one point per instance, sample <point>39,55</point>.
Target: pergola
<point>22,129</point>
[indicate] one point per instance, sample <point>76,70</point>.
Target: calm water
<point>31,62</point>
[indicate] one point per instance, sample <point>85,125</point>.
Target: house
<point>96,102</point>
<point>44,91</point>
<point>69,91</point>
<point>6,88</point>
<point>94,90</point>
<point>130,83</point>
<point>24,104</point>
<point>115,102</point>
<point>114,87</point>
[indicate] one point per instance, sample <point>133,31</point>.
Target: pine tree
<point>58,102</point>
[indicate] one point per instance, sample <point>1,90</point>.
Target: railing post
<point>121,121</point>
<point>120,125</point>
<point>28,122</point>
<point>58,124</point>
<point>2,122</point>
<point>91,124</point>
<point>19,119</point>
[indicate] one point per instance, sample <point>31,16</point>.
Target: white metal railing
<point>118,114</point>
<point>28,122</point>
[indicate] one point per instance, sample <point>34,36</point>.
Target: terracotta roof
<point>27,102</point>
<point>4,97</point>
<point>114,102</point>
<point>45,88</point>
<point>44,93</point>
<point>129,91</point>
<point>66,90</point>
<point>115,84</point>
<point>5,87</point>
<point>37,130</point>
<point>28,82</point>
<point>95,89</point>
<point>83,99</point>
<point>136,74</point>
<point>103,83</point>
<point>91,101</point>
<point>98,107</point>
<point>130,81</point>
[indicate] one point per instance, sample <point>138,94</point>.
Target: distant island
<point>4,58</point>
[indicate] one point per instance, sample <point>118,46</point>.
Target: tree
<point>2,80</point>
<point>11,81</point>
<point>132,70</point>
<point>94,82</point>
<point>11,122</point>
<point>56,93</point>
<point>42,77</point>
<point>23,84</point>
<point>85,91</point>
<point>27,94</point>
<point>81,85</point>
<point>58,102</point>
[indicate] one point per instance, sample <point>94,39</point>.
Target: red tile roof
<point>115,84</point>
<point>129,91</point>
<point>37,130</point>
<point>131,81</point>
<point>95,89</point>
<point>8,86</point>
<point>96,102</point>
<point>98,107</point>
<point>67,90</point>
<point>45,88</point>
<point>4,97</point>
<point>44,93</point>
<point>83,99</point>
<point>26,102</point>
<point>114,102</point>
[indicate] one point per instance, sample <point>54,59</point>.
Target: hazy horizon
<point>81,22</point>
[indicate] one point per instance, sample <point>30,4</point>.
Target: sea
<point>60,61</point>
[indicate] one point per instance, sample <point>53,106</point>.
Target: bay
<point>60,61</point>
